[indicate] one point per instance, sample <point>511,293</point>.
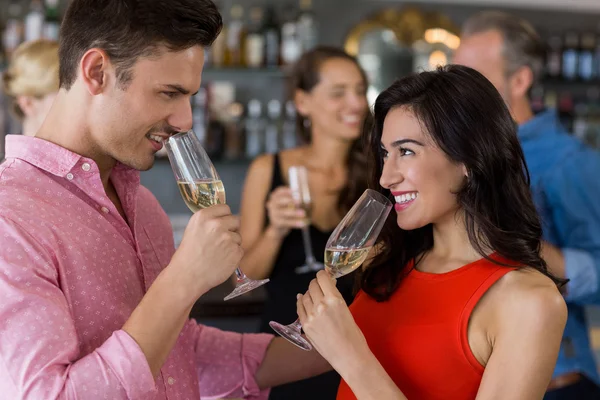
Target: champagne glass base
<point>291,334</point>
<point>245,286</point>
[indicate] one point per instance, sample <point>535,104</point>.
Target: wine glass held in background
<point>298,181</point>
<point>201,187</point>
<point>347,248</point>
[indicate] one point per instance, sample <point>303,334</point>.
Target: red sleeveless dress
<point>419,334</point>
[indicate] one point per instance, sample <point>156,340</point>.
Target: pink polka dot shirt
<point>72,270</point>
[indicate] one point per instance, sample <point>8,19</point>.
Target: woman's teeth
<point>405,198</point>
<point>351,119</point>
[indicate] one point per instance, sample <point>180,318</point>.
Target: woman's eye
<point>405,152</point>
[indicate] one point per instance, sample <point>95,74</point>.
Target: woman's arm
<point>530,316</point>
<point>261,244</point>
<point>528,319</point>
<point>330,327</point>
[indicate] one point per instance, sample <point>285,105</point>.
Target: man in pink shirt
<point>94,299</point>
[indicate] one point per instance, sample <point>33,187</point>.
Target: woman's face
<point>337,105</point>
<point>421,177</point>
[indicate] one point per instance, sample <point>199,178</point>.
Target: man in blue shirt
<point>565,181</point>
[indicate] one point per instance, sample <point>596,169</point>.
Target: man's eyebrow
<point>178,88</point>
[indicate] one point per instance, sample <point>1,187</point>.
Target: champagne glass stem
<point>296,325</point>
<point>310,257</point>
<point>293,333</point>
<point>240,275</point>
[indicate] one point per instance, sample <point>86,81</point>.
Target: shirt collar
<point>543,123</point>
<point>60,161</point>
<point>42,154</point>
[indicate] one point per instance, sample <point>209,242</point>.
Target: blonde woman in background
<point>31,82</point>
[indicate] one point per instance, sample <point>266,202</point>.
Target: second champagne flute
<point>298,179</point>
<point>347,248</point>
<point>201,187</point>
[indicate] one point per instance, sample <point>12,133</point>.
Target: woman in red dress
<point>457,303</point>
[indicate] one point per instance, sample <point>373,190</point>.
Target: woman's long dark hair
<point>305,76</point>
<point>466,117</point>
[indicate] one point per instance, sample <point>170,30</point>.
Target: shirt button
<point>105,210</point>
<point>86,167</point>
<point>70,176</point>
<point>171,380</point>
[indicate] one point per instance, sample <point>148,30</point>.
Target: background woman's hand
<point>283,211</point>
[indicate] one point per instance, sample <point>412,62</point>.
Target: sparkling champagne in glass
<point>201,187</point>
<point>347,248</point>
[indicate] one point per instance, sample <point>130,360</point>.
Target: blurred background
<point>243,108</point>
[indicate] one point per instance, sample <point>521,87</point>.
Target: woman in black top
<point>329,90</point>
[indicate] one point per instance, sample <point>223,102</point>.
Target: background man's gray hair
<point>522,44</point>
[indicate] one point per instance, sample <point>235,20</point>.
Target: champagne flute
<point>201,187</point>
<point>298,178</point>
<point>347,248</point>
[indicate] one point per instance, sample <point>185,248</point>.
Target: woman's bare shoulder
<point>527,294</point>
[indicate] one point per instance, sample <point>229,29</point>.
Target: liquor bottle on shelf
<point>566,110</point>
<point>271,31</point>
<point>570,56</point>
<point>52,20</point>
<point>592,133</point>
<point>550,99</point>
<point>199,112</point>
<point>597,58</point>
<point>13,32</point>
<point>554,57</point>
<point>291,47</point>
<point>537,99</point>
<point>215,137</point>
<point>586,57</point>
<point>34,21</point>
<point>234,133</point>
<point>273,128</point>
<point>289,134</point>
<point>254,127</point>
<point>580,121</point>
<point>236,38</point>
<point>255,40</point>
<point>216,52</point>
<point>214,56</point>
<point>220,96</point>
<point>307,26</point>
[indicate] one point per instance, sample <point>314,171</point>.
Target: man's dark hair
<point>129,29</point>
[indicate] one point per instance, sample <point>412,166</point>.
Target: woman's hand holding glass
<point>347,248</point>
<point>328,323</point>
<point>283,213</point>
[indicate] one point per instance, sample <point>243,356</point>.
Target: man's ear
<point>94,69</point>
<point>520,82</point>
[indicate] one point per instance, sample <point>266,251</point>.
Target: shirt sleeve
<point>39,347</point>
<point>227,363</point>
<point>573,193</point>
<point>582,273</point>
